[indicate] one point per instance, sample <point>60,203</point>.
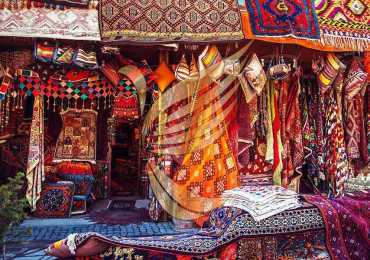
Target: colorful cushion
<point>85,59</point>
<point>63,55</point>
<point>164,76</point>
<point>55,200</point>
<point>331,67</point>
<point>211,59</point>
<point>74,168</point>
<point>44,52</point>
<point>356,78</point>
<point>255,74</point>
<point>182,71</point>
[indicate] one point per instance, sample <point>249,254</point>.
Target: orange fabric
<point>164,76</point>
<point>311,44</point>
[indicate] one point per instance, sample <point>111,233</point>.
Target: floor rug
<point>152,20</point>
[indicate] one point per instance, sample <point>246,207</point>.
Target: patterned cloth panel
<point>55,200</point>
<point>304,219</point>
<point>71,24</point>
<point>170,20</point>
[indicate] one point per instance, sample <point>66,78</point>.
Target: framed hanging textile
<point>77,139</point>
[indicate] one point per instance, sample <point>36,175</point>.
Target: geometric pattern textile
<point>283,18</point>
<point>35,174</point>
<point>304,219</point>
<point>56,200</point>
<point>77,139</point>
<point>154,20</point>
<point>345,22</point>
<point>71,24</point>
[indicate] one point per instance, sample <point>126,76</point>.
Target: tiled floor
<point>28,240</point>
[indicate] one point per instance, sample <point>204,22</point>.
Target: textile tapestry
<point>306,245</point>
<point>347,224</point>
<point>35,174</point>
<point>71,24</point>
<point>228,225</point>
<point>75,85</point>
<point>344,22</point>
<point>188,123</point>
<point>283,18</point>
<point>77,139</point>
<point>56,200</point>
<point>20,4</point>
<point>156,20</point>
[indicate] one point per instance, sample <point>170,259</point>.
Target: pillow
<point>255,74</point>
<point>356,78</point>
<point>164,76</point>
<point>331,67</point>
<point>85,59</point>
<point>211,58</point>
<point>182,71</point>
<point>63,55</point>
<point>44,53</point>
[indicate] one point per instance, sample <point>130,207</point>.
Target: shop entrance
<point>125,163</point>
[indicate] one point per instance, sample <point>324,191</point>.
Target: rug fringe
<point>345,42</point>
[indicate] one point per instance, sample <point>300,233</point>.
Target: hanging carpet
<point>77,139</point>
<point>325,25</point>
<point>71,24</point>
<point>283,18</point>
<point>344,23</point>
<point>154,20</point>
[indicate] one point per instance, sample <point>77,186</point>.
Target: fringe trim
<point>345,42</point>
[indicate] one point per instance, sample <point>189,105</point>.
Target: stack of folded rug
<point>261,201</point>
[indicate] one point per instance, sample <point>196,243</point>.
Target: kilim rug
<point>77,139</point>
<point>283,18</point>
<point>344,23</point>
<point>164,20</point>
<point>72,24</point>
<point>227,225</point>
<point>347,224</point>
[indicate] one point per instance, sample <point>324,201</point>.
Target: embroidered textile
<point>347,223</point>
<point>242,225</point>
<point>170,20</point>
<point>190,121</point>
<point>56,200</point>
<point>35,174</point>
<point>305,245</point>
<point>74,85</point>
<point>283,18</point>
<point>77,139</point>
<point>71,24</point>
<point>335,157</point>
<point>291,128</point>
<point>344,23</point>
<point>20,4</point>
